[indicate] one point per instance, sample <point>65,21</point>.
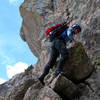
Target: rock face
<point>37,15</point>
<point>18,85</point>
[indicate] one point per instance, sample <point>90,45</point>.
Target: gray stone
<point>78,67</point>
<point>64,87</point>
<point>38,92</point>
<point>20,83</point>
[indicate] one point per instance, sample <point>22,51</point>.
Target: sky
<point>15,55</point>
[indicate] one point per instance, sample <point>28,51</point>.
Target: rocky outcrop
<point>38,92</point>
<point>19,85</point>
<point>69,85</point>
<point>70,91</point>
<point>37,15</point>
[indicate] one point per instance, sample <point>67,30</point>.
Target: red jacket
<point>50,29</point>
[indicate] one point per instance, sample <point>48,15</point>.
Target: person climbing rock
<point>58,48</point>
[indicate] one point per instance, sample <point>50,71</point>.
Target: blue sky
<point>14,53</point>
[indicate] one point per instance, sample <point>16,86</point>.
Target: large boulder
<point>70,91</point>
<point>38,92</point>
<point>78,67</point>
<point>64,87</point>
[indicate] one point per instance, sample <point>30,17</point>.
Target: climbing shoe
<point>56,73</point>
<point>41,80</point>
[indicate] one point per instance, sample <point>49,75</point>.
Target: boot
<point>41,80</point>
<point>56,73</point>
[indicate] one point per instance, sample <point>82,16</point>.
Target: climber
<point>58,47</point>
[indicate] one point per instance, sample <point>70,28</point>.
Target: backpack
<point>55,31</point>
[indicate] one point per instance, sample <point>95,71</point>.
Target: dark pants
<point>58,48</point>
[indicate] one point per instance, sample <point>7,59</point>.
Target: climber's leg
<point>61,47</point>
<point>52,60</point>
